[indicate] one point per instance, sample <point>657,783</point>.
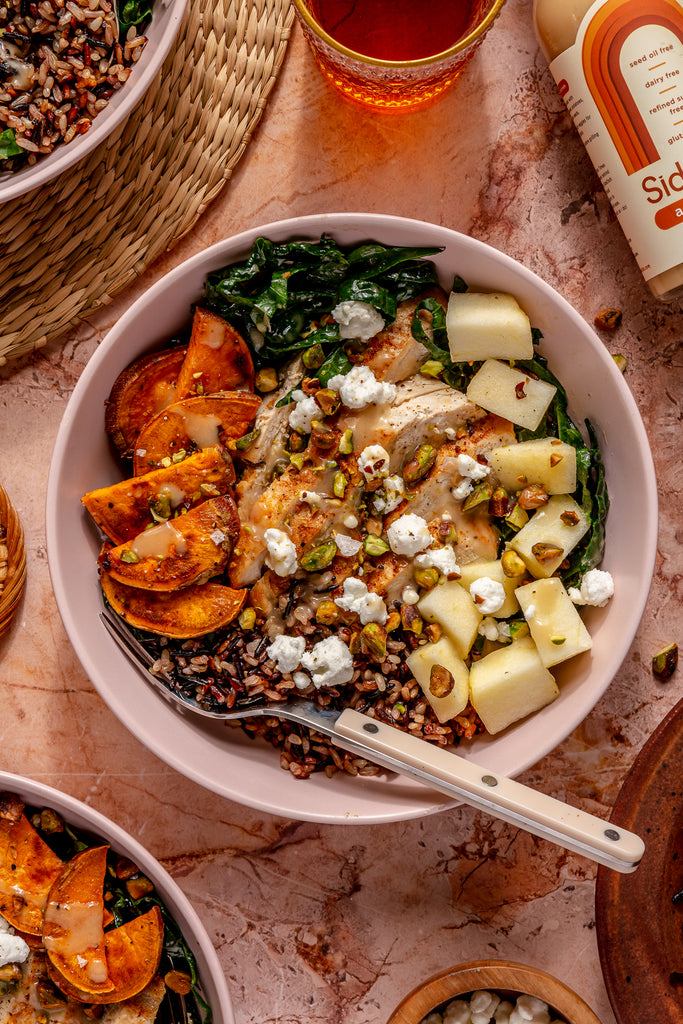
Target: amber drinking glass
<point>394,55</point>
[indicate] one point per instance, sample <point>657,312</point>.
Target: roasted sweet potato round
<point>194,611</point>
<point>28,870</point>
<point>218,358</point>
<point>192,424</point>
<point>141,391</point>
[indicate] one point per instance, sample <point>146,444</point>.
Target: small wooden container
<point>509,980</point>
<point>11,538</point>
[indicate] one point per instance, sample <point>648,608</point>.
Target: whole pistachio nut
<point>319,557</point>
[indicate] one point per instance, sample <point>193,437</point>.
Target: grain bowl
<point>500,979</point>
<point>228,762</point>
<point>66,838</point>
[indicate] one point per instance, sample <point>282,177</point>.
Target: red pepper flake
<point>519,389</point>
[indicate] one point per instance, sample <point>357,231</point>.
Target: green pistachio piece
<point>319,558</point>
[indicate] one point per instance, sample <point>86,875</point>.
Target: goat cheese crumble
<point>494,630</point>
<point>13,949</point>
<point>359,388</point>
<point>357,320</point>
<point>389,496</point>
<point>286,652</point>
<point>281,557</point>
<point>471,471</point>
<point>373,462</point>
<point>597,587</point>
<point>357,598</point>
<point>442,559</point>
<point>329,662</point>
<point>304,411</point>
<point>488,595</point>
<point>409,535</point>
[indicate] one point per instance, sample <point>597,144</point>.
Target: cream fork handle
<point>453,775</point>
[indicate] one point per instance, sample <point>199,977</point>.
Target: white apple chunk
<point>551,534</point>
<point>510,393</point>
<point>472,571</point>
<point>451,606</point>
<point>510,684</point>
<point>545,460</point>
<point>442,653</point>
<point>481,325</point>
<point>555,625</point>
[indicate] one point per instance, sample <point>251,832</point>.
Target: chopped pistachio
<point>328,400</point>
<point>339,484</point>
<point>420,464</point>
<point>179,982</point>
<point>242,443</point>
<point>499,504</point>
<point>297,460</point>
<point>665,661</point>
<point>208,490</point>
<point>160,507</point>
<point>433,632</point>
<point>546,552</point>
<point>479,495</point>
<point>558,640</point>
<point>179,456</point>
<point>313,357</point>
<point>431,368</point>
<point>50,821</point>
<point>319,557</point>
<point>129,556</point>
<point>247,619</point>
<point>326,613</point>
<point>569,517</point>
<point>426,577</point>
<point>512,564</point>
<point>375,546</point>
<point>345,446</point>
<point>393,622</point>
<point>139,887</point>
<point>516,518</point>
<point>374,641</point>
<point>518,629</point>
<point>533,496</point>
<point>608,319</point>
<point>324,437</point>
<point>621,362</point>
<point>441,681</point>
<point>411,618</point>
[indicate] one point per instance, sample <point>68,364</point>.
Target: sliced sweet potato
<point>190,549</point>
<point>192,424</point>
<point>28,869</point>
<point>191,612</point>
<point>141,391</point>
<point>123,510</point>
<point>73,932</point>
<point>133,951</point>
<point>218,358</point>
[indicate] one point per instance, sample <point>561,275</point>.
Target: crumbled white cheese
<point>494,630</point>
<point>373,462</point>
<point>530,612</point>
<point>488,595</point>
<point>13,949</point>
<point>389,496</point>
<point>442,559</point>
<point>347,546</point>
<point>281,557</point>
<point>350,522</point>
<point>301,680</point>
<point>329,662</point>
<point>597,587</point>
<point>357,598</point>
<point>304,411</point>
<point>408,535</point>
<point>359,387</point>
<point>470,470</point>
<point>311,498</point>
<point>357,320</point>
<point>217,537</point>
<point>286,652</point>
<point>409,595</point>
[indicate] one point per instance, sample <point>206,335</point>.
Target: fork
<point>436,767</point>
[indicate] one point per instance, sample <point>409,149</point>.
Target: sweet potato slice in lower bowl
<point>192,424</point>
<point>183,614</point>
<point>190,549</point>
<point>125,509</point>
<point>218,358</point>
<point>141,391</point>
<point>28,870</point>
<point>133,951</point>
<point>73,930</point>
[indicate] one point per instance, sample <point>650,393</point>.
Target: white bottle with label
<point>619,67</point>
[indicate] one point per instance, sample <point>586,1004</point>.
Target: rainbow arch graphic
<point>605,36</point>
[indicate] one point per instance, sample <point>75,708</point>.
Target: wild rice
<point>60,63</point>
<point>232,669</point>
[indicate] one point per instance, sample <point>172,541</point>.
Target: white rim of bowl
<point>291,227</point>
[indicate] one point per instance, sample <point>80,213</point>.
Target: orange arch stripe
<point>602,45</point>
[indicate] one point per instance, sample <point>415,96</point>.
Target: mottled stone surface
<point>332,924</point>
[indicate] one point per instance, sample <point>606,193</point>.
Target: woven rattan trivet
<point>70,246</point>
<point>12,562</point>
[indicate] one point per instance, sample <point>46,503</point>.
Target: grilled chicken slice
<point>394,354</point>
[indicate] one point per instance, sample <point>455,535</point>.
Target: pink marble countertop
<point>337,923</point>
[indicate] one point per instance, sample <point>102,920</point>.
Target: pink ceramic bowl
<point>225,761</point>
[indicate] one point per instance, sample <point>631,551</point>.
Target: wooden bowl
<point>506,979</point>
<point>11,537</point>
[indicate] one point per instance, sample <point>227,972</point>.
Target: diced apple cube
<point>546,461</point>
<point>442,653</point>
<point>510,393</point>
<point>481,325</point>
<point>551,534</point>
<point>472,571</point>
<point>451,606</point>
<point>556,627</point>
<point>510,684</point>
